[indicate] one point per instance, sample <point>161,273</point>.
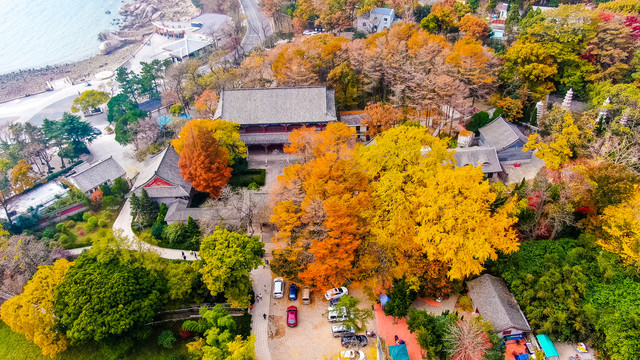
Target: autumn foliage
<point>385,211</point>
<point>320,205</point>
<point>31,313</point>
<point>381,117</point>
<point>203,162</point>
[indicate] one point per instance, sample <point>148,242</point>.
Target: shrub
<point>64,239</point>
<point>86,216</point>
<point>92,223</point>
<point>102,233</point>
<point>166,339</point>
<point>109,201</point>
<point>49,233</point>
<point>102,223</point>
<point>81,232</point>
<point>253,186</point>
<point>71,224</point>
<point>465,304</point>
<point>62,228</point>
<point>176,109</point>
<point>157,229</point>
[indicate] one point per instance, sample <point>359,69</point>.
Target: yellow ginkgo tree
<point>561,146</point>
<point>31,313</point>
<point>621,229</point>
<point>424,206</point>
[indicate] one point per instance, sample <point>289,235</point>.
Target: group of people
<point>398,340</point>
<point>194,254</point>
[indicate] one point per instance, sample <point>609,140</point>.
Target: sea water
<point>37,33</point>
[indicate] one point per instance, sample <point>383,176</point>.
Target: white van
<point>278,288</point>
<point>306,296</point>
<point>342,330</point>
<point>336,314</point>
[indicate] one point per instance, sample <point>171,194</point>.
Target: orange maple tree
<point>204,163</point>
<point>96,197</point>
<point>207,103</point>
<point>381,117</point>
<point>320,205</point>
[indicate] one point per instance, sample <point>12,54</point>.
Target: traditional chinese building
<point>267,115</point>
<point>162,179</point>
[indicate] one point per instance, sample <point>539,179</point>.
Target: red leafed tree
<point>204,163</point>
<point>96,197</point>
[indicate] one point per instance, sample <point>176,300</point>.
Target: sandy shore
<point>17,84</point>
<point>138,23</point>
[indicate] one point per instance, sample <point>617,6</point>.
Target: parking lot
<point>312,338</point>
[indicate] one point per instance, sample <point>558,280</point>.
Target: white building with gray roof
<point>89,177</point>
<point>493,301</point>
<point>376,20</point>
<point>267,115</point>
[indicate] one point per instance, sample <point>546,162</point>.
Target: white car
<point>336,293</point>
<point>353,355</point>
<point>278,288</point>
<point>309,32</point>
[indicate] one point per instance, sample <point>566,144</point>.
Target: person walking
<point>264,316</point>
<point>182,253</point>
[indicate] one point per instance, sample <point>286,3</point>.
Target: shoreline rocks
<point>135,25</point>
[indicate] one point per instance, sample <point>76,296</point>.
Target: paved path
<point>123,224</point>
<point>259,325</point>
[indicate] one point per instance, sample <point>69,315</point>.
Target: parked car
<point>293,292</point>
<point>354,341</point>
<point>342,330</point>
<point>337,314</point>
<point>309,32</point>
<point>96,131</point>
<point>336,293</point>
<point>333,302</point>
<point>292,316</point>
<point>306,296</point>
<point>353,355</point>
<point>278,288</point>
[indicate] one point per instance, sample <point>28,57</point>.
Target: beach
<point>138,15</point>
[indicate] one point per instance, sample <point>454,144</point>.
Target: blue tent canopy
<point>547,346</point>
<point>522,357</point>
<point>383,300</point>
<point>399,352</point>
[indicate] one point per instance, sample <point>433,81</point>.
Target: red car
<point>292,316</point>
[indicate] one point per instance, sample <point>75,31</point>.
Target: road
<point>258,25</point>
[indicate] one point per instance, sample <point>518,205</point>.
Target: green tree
<point>102,298</point>
<point>89,100</point>
<point>118,106</point>
<point>129,83</point>
<point>69,134</point>
<point>150,76</point>
<point>357,318</point>
<point>430,331</point>
<point>347,86</point>
<point>166,339</point>
<point>229,258</point>
<point>120,187</point>
<point>401,296</point>
<point>144,210</point>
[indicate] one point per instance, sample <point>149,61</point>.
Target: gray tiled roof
<point>353,119</point>
<point>179,212</point>
<point>496,304</point>
<point>382,11</point>
<point>265,138</point>
<point>96,174</point>
<point>165,166</point>
<point>475,155</point>
<point>500,134</point>
<point>292,105</point>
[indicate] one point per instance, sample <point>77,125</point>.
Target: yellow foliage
<point>31,313</point>
<point>425,206</point>
<point>621,229</point>
<point>565,139</point>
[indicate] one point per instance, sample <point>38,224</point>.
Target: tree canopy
<point>228,259</point>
